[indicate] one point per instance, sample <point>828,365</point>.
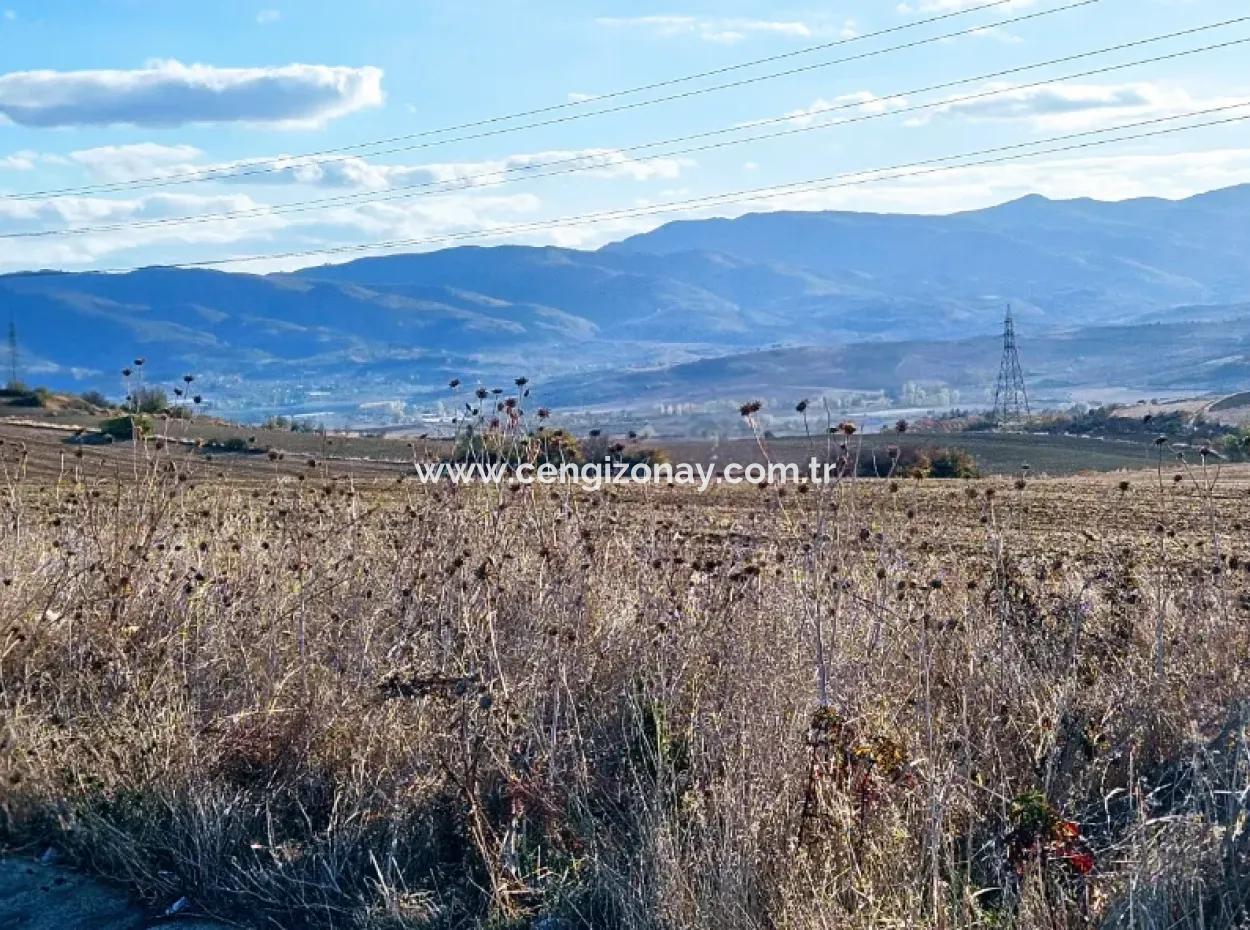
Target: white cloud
<point>435,216</point>
<point>723,30</point>
<point>127,246</point>
<point>113,163</point>
<point>24,160</point>
<point>36,214</point>
<point>1174,174</point>
<point>1074,106</point>
<point>954,6</point>
<point>863,101</point>
<point>602,163</point>
<point>1110,177</point>
<point>999,33</point>
<point>265,17</point>
<point>260,232</point>
<point>1104,177</point>
<point>170,93</point>
<point>356,173</point>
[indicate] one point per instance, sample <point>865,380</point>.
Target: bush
<point>495,446</point>
<point>1235,446</point>
<point>234,444</point>
<point>125,427</point>
<point>148,400</point>
<point>918,462</point>
<point>600,448</point>
<point>952,463</point>
<point>646,455</point>
<point>95,399</point>
<point>39,397</point>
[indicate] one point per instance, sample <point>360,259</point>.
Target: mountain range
<point>1105,293</point>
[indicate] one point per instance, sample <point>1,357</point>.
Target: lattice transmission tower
<point>1011,400</point>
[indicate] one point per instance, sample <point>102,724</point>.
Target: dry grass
<point>323,700</point>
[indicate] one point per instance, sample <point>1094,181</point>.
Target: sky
<point>273,134</point>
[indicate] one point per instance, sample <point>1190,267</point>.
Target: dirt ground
<point>35,896</point>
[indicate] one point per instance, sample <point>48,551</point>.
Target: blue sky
<point>103,93</point>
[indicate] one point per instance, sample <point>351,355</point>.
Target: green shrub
<point>125,427</point>
<point>148,400</point>
<point>952,463</point>
<point>39,397</point>
<point>918,462</point>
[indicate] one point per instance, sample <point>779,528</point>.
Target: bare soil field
<point>309,692</point>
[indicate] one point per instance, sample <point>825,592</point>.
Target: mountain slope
<point>398,326</point>
<point>1171,357</point>
<point>1073,259</point>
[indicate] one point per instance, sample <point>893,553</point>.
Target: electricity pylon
<point>1011,400</point>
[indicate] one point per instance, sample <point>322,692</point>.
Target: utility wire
<point>281,163</point>
<point>584,163</point>
<point>814,185</point>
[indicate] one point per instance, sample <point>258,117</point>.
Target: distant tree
<point>952,463</point>
<point>29,397</point>
<point>95,399</point>
<point>148,400</point>
<point>918,462</point>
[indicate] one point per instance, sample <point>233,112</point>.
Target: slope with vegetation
<point>326,698</point>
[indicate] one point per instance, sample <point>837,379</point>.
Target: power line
<point>579,163</point>
<point>281,163</point>
<point>813,185</point>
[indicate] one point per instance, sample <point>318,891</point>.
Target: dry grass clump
<point>316,702</point>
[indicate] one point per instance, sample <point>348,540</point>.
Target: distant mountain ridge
<point>693,289</point>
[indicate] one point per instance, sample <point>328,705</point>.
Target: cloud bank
<point>954,6</point>
<point>170,93</point>
<point>1072,106</point>
<point>120,163</point>
<point>726,31</point>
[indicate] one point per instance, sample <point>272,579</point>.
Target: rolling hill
<point>884,298</point>
<point>1166,358</point>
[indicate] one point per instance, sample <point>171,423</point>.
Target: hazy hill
<point>1077,260</point>
<point>1175,357</point>
<point>686,291</point>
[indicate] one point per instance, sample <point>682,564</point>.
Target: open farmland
<point>325,696</point>
<point>995,453</point>
<point>49,436</point>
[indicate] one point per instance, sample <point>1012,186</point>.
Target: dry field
<point>307,693</point>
